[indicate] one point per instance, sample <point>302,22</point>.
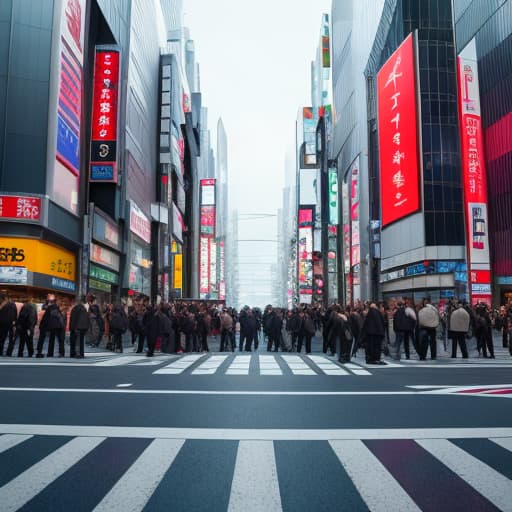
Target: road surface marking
<point>135,488</point>
<point>180,365</point>
<point>255,484</point>
<point>269,366</point>
<point>487,481</point>
<point>297,365</point>
<point>31,482</point>
<point>239,366</point>
<point>127,385</point>
<point>210,366</point>
<point>504,443</point>
<point>120,361</point>
<point>7,441</point>
<point>257,434</point>
<point>327,366</point>
<point>380,491</point>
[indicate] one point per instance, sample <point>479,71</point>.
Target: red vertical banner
<point>103,166</point>
<point>398,134</point>
<point>474,178</point>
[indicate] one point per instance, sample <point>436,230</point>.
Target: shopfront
<point>140,263</point>
<point>105,258</point>
<point>31,268</point>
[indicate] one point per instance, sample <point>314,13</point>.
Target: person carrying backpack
<point>118,326</point>
<point>78,326</point>
<point>52,322</point>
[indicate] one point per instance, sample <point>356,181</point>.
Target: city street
<point>261,431</point>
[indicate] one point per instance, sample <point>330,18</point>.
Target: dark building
<point>423,251</point>
<point>489,26</point>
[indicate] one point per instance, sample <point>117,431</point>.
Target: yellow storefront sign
<point>178,271</point>
<point>37,256</point>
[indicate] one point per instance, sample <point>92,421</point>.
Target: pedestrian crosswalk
<point>62,468</point>
<point>262,364</point>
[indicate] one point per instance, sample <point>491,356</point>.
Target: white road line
<point>269,366</point>
<point>239,366</point>
<point>210,366</point>
<point>134,489</point>
<point>120,361</point>
<point>327,366</point>
<point>180,365</point>
<point>220,392</point>
<point>257,434</point>
<point>255,485</point>
<point>504,443</point>
<point>31,482</point>
<point>7,441</point>
<point>380,491</point>
<point>487,481</point>
<point>297,365</point>
<point>127,385</point>
<point>361,372</point>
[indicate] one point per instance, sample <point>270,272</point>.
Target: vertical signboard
<point>474,177</point>
<point>333,197</point>
<point>69,105</point>
<point>103,165</point>
<point>347,249</point>
<point>398,137</point>
<point>309,121</point>
<point>305,262</point>
<point>354,213</point>
<point>204,265</point>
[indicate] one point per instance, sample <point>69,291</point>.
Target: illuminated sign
<point>39,257</point>
<point>178,271</point>
<point>305,263</point>
<point>204,264</point>
<point>21,208</point>
<point>398,127</point>
<point>306,217</point>
<point>207,192</point>
<point>139,223</point>
<point>104,257</point>
<point>354,214</point>
<point>207,220</point>
<point>474,176</point>
<point>103,166</point>
<point>333,197</point>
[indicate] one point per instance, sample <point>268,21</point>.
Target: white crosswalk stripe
<point>377,487</point>
<point>297,365</point>
<point>179,366</point>
<point>239,366</point>
<point>134,489</point>
<point>31,482</point>
<point>210,366</point>
<point>256,470</point>
<point>269,366</point>
<point>493,485</point>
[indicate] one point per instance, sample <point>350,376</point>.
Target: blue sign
<point>63,284</point>
<point>102,172</point>
<point>505,280</point>
<point>68,144</point>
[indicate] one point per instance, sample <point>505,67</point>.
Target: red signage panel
<point>398,138</point>
<point>21,208</point>
<point>103,165</point>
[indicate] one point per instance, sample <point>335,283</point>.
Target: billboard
<point>354,214</point>
<point>474,177</point>
<point>333,197</point>
<point>207,220</point>
<point>308,185</point>
<point>306,216</point>
<point>309,122</point>
<point>204,265</point>
<point>207,192</point>
<point>305,263</point>
<point>69,105</point>
<point>103,165</point>
<point>398,135</point>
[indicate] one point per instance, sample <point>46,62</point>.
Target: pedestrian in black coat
<point>78,326</point>
<point>53,321</point>
<point>118,326</point>
<point>26,323</point>
<point>373,329</point>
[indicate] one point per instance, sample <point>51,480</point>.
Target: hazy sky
<point>254,58</point>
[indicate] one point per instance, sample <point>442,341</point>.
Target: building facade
<point>487,27</point>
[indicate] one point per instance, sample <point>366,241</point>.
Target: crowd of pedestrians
<point>188,326</point>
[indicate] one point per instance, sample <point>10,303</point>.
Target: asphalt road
<point>255,432</point>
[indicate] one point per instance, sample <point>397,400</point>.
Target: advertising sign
<point>13,275</point>
<point>139,223</point>
<point>105,231</point>
<point>308,185</point>
<point>398,134</point>
<point>208,192</point>
<point>37,256</point>
<point>309,121</point>
<point>354,213</point>
<point>69,105</point>
<point>204,265</point>
<point>306,217</point>
<point>333,197</point>
<point>103,166</point>
<point>207,220</point>
<point>21,208</point>
<point>178,271</point>
<point>104,257</point>
<point>305,262</point>
<point>177,223</point>
<point>474,177</point>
